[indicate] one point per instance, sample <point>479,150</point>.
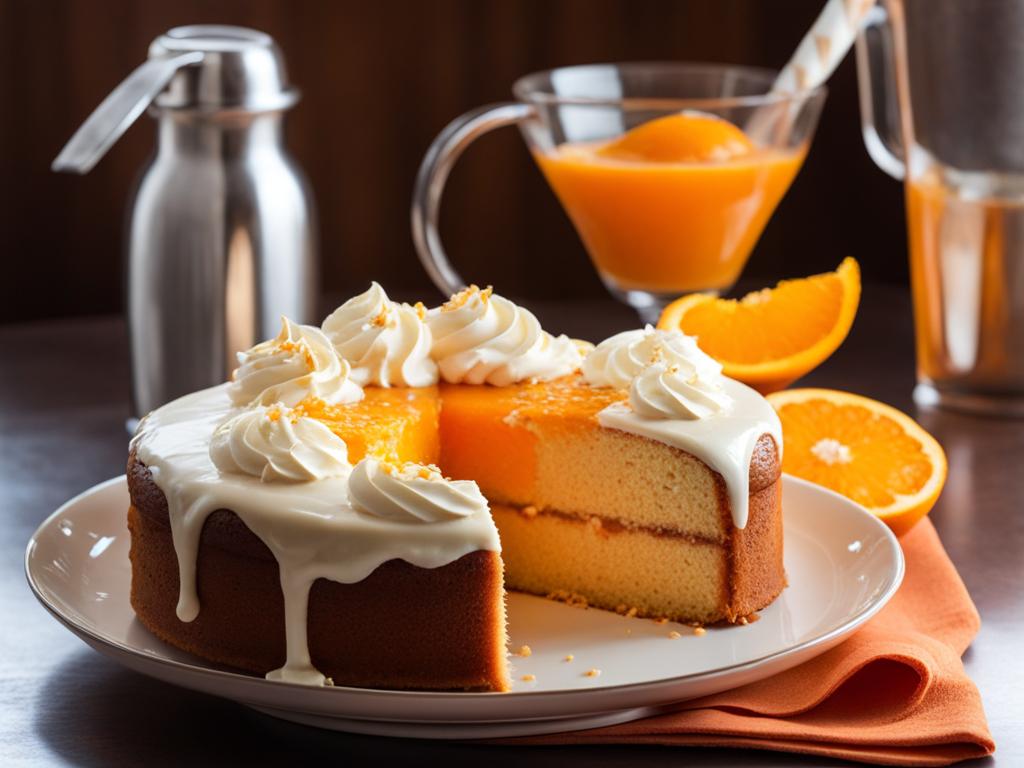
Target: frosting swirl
<point>617,360</point>
<point>412,493</point>
<point>480,337</point>
<point>387,344</point>
<point>299,363</point>
<point>278,446</point>
<point>664,391</point>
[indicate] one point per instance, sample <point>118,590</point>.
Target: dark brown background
<point>380,79</point>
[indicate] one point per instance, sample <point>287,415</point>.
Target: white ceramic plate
<point>843,566</point>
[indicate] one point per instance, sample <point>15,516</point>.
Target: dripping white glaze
<point>310,527</point>
<point>724,440</point>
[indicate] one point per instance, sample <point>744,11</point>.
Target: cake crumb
<point>524,651</point>
<point>569,598</point>
<point>329,682</point>
<point>743,620</point>
<point>631,612</point>
<point>699,631</point>
<point>674,635</point>
<point>592,672</point>
<point>529,678</point>
<point>528,511</point>
<point>661,620</point>
<point>568,657</point>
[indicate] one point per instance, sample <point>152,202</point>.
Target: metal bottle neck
<point>226,136</point>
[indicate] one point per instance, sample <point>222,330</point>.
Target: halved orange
<point>688,137</point>
<point>772,337</point>
<point>866,450</point>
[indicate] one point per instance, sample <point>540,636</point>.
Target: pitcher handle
<point>878,74</point>
<point>433,173</point>
<point>118,111</point>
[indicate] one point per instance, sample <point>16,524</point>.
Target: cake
<point>299,521</point>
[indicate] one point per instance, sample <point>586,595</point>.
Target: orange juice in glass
<point>669,172</point>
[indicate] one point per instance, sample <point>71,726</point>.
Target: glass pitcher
<point>943,111</point>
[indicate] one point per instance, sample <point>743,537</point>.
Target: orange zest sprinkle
<point>592,672</point>
<point>529,678</point>
<point>464,296</point>
<point>524,651</point>
<point>298,346</point>
<point>421,311</point>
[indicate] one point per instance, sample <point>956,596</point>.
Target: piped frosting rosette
<point>667,375</point>
<point>299,363</point>
<point>387,343</point>
<point>412,493</point>
<point>276,444</point>
<point>667,391</point>
<point>483,338</point>
<point>617,360</point>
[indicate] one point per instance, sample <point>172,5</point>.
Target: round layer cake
<point>645,483</point>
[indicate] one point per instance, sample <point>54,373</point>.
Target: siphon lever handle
<point>118,111</point>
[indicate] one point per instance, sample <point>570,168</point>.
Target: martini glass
<point>655,225</point>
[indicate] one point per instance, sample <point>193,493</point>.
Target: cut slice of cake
<point>616,518</point>
<point>648,482</point>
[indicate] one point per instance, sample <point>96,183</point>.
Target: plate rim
<point>875,605</point>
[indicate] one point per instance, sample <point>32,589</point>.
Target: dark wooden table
<point>63,404</point>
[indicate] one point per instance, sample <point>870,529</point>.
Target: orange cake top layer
<point>567,399</point>
<point>542,445</point>
<point>395,424</point>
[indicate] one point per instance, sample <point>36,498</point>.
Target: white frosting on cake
<point>678,396</point>
<point>483,338</point>
<point>619,358</point>
<point>387,344</point>
<point>663,391</point>
<point>310,527</point>
<point>724,439</point>
<point>299,363</point>
<point>412,493</point>
<point>275,444</point>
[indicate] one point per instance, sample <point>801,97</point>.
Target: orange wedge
<point>772,337</point>
<point>866,450</point>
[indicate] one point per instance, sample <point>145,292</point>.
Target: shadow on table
<point>92,712</point>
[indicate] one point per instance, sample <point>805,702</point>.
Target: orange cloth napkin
<point>895,693</point>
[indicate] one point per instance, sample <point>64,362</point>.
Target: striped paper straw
<point>824,46</point>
